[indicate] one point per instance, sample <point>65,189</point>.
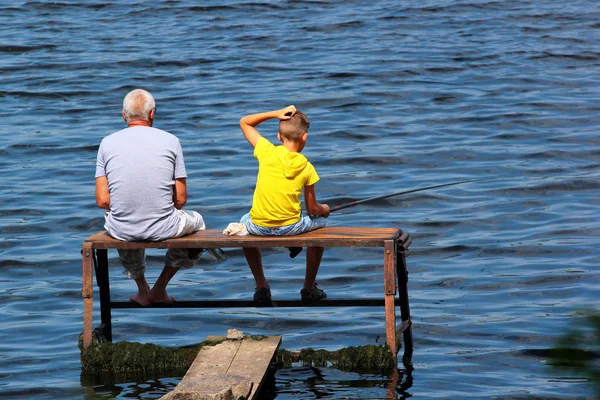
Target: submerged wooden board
<point>253,360</point>
<point>324,237</point>
<point>230,360</point>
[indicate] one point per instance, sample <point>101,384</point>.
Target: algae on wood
<point>368,359</point>
<point>112,362</point>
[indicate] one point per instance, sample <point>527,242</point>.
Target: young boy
<point>282,174</point>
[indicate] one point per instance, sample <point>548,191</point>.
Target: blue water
<point>400,95</point>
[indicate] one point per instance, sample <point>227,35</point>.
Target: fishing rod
<point>385,196</point>
<point>294,251</point>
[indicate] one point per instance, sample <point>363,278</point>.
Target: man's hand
<point>324,210</point>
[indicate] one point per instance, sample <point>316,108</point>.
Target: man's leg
<point>175,259</point>
<point>141,297</point>
<point>134,266</point>
<point>158,293</point>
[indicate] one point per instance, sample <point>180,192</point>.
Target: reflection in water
<point>399,383</point>
<point>327,382</point>
<point>146,389</point>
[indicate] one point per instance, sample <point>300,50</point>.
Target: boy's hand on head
<point>286,113</point>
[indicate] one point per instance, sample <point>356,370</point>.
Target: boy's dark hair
<point>293,128</point>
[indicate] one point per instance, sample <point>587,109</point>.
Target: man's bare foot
<point>160,298</point>
<point>140,299</point>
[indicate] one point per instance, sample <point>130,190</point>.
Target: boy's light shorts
<point>306,224</point>
<point>134,260</point>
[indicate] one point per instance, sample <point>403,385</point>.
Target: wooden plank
<point>213,359</point>
<point>217,368</point>
<point>254,359</point>
<point>325,237</point>
<point>404,326</point>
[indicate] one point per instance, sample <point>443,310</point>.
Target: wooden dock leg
<point>104,292</point>
<point>402,273</point>
<point>87,293</point>
<point>389,278</point>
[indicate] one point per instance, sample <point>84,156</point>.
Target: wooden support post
<point>402,273</point>
<point>104,292</point>
<point>389,279</point>
<point>87,293</point>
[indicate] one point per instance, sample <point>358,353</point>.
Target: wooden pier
<point>233,369</point>
<point>393,241</point>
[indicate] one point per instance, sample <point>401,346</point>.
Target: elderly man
<point>141,181</point>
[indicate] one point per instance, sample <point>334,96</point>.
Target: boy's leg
<point>254,258</point>
<point>313,261</point>
<point>310,291</point>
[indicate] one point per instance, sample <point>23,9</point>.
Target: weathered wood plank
<point>230,367</point>
<point>214,359</point>
<point>404,326</point>
<point>325,237</point>
<point>253,360</point>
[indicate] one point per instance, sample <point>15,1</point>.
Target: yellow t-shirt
<point>281,178</point>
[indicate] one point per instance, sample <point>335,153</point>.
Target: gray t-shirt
<point>141,165</point>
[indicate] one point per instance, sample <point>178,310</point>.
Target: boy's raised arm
<point>249,122</point>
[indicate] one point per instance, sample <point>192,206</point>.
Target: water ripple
<point>400,96</point>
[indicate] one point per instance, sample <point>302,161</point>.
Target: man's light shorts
<point>306,224</point>
<point>134,260</point>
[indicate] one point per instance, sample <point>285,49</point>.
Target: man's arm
<point>102,193</point>
<point>180,193</point>
<point>248,122</point>
<point>310,201</point>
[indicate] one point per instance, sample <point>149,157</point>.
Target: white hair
<point>137,105</point>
